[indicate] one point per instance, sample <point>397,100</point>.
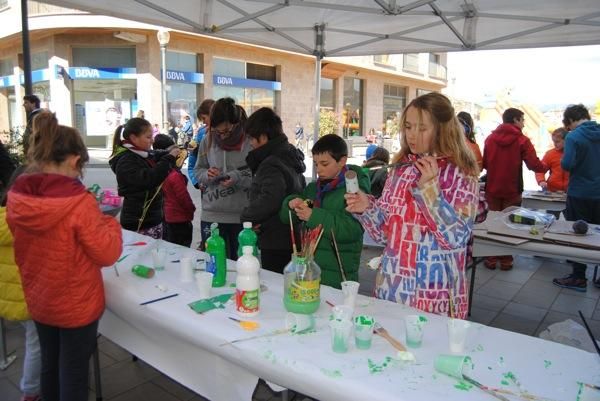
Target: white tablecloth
<point>186,346</point>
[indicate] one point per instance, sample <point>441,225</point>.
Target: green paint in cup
<point>452,365</point>
<point>340,334</point>
<point>363,331</point>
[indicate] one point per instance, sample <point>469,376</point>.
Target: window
<point>6,67</point>
<point>182,98</point>
<point>436,69</point>
<point>104,57</point>
<point>411,62</point>
<point>230,68</point>
<point>327,94</point>
<point>353,107</point>
<point>182,61</point>
<point>261,72</point>
<point>394,101</point>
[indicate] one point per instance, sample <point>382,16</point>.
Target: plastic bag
<point>570,333</point>
<point>520,218</point>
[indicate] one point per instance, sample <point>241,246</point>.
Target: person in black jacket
<point>376,167</point>
<point>140,173</point>
<point>277,168</point>
<point>7,167</point>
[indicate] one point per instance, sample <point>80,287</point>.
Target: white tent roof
<point>361,27</point>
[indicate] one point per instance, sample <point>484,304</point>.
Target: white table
<point>185,346</point>
<point>544,200</point>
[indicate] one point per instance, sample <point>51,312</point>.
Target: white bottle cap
<point>247,250</point>
<point>247,224</point>
<point>351,182</point>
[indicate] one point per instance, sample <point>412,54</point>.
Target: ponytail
<point>52,143</point>
<point>135,126</point>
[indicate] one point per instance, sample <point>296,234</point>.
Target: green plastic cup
<point>363,331</point>
<point>452,365</point>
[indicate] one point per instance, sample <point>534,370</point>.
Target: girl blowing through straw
<point>140,174</point>
<point>426,211</point>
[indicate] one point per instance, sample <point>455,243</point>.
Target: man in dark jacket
<point>581,159</point>
<point>277,169</point>
<point>506,148</point>
<point>31,104</point>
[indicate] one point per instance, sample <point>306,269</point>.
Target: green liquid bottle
<point>247,237</point>
<point>217,261</point>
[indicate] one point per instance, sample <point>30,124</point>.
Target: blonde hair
<point>448,139</point>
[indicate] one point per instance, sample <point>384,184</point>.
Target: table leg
<point>472,283</point>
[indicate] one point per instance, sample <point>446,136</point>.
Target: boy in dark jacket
<point>178,206</point>
<point>327,206</point>
<point>277,168</point>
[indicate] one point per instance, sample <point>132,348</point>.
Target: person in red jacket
<point>178,206</point>
<point>61,241</point>
<point>505,150</point>
<point>559,178</point>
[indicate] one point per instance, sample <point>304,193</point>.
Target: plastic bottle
<point>143,271</point>
<point>217,261</point>
<point>302,286</point>
<point>247,284</point>
<point>247,237</point>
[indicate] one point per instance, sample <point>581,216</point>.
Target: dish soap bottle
<point>247,237</point>
<point>217,261</point>
<point>247,284</point>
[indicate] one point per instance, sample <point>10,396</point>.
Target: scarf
<point>234,141</point>
<point>130,146</point>
<point>324,186</point>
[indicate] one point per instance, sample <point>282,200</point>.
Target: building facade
<point>95,72</point>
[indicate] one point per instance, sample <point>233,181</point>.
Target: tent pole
<point>26,48</point>
<point>319,51</point>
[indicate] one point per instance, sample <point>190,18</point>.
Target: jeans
<point>582,209</point>
<point>179,233</point>
<point>32,363</point>
<point>228,231</point>
<point>65,361</point>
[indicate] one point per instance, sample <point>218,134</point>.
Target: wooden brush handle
<point>395,343</point>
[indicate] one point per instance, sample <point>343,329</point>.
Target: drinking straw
<point>159,299</point>
<point>590,333</point>
<point>337,255</point>
<point>294,249</point>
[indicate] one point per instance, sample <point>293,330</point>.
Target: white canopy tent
<point>364,27</point>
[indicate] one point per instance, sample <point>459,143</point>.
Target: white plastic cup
<point>414,330</point>
<point>363,331</point>
<point>350,291</point>
<point>457,334</point>
<point>186,274</point>
<point>342,312</point>
<point>204,284</point>
<point>159,258</point>
<point>341,331</point>
<point>298,323</point>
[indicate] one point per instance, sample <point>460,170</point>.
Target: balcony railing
<point>437,71</point>
<point>37,8</point>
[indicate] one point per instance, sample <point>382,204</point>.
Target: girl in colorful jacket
<point>61,241</point>
<point>13,307</point>
<point>426,211</point>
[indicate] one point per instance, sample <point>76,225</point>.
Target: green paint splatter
<point>510,376</point>
<point>434,376</point>
<point>374,368</point>
<point>462,385</point>
<point>422,319</point>
<point>334,374</point>
<point>579,392</point>
<point>232,285</point>
<point>504,383</point>
<point>489,368</point>
<point>270,356</point>
<point>479,347</point>
<point>501,360</point>
<point>547,363</point>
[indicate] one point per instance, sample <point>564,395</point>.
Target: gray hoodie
<point>223,204</point>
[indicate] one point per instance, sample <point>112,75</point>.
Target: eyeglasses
<point>223,132</point>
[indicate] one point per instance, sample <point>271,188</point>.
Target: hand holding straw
<point>294,249</point>
<point>337,255</point>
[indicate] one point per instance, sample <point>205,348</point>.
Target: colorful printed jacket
<point>425,232</point>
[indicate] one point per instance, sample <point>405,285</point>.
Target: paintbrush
<point>159,299</point>
<point>590,333</point>
<point>294,249</point>
<point>337,255</point>
<point>136,243</point>
<point>485,389</point>
<point>591,386</point>
<point>402,164</point>
<point>273,333</point>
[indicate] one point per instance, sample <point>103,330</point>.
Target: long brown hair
<point>448,140</point>
<point>52,143</point>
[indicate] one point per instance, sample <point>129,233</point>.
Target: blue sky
<point>560,76</point>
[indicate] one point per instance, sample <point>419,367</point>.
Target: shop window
<point>353,107</point>
<point>104,57</point>
<point>394,101</point>
<point>229,68</point>
<point>261,72</point>
<point>182,61</point>
<point>327,94</point>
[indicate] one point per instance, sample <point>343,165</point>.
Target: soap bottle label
<point>247,301</point>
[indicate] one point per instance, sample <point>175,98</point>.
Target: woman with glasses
<point>222,173</point>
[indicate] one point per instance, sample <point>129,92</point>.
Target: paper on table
<point>205,305</point>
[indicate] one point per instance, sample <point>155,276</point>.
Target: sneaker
<point>571,282</point>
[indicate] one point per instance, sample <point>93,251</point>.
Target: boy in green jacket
<point>322,202</point>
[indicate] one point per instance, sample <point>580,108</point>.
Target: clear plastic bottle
<point>302,286</point>
<point>247,284</point>
<point>247,237</point>
<point>217,261</point>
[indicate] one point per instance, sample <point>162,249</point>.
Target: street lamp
<point>163,37</point>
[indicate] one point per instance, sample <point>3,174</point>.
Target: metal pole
<point>26,48</point>
<point>163,83</point>
<point>319,52</point>
<point>5,360</point>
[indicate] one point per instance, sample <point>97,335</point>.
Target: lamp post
<point>163,37</point>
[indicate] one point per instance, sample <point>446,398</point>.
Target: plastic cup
<point>363,331</point>
<point>159,257</point>
<point>457,334</point>
<point>298,323</point>
<point>186,274</point>
<point>452,365</point>
<point>342,312</point>
<point>340,335</point>
<point>204,284</point>
<point>350,291</point>
<point>414,330</point>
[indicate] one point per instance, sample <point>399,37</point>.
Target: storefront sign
<point>246,83</point>
<point>101,73</point>
<point>185,77</point>
<point>36,76</point>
